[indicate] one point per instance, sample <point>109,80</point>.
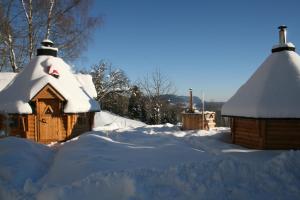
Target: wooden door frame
<point>47,92</point>
<point>51,119</point>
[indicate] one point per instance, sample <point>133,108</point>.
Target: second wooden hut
<point>265,111</point>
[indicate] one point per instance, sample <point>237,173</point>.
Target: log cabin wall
<point>13,124</point>
<point>2,127</point>
<point>26,126</point>
<point>247,132</point>
<point>16,125</point>
<point>283,134</point>
<point>266,133</point>
<point>79,123</point>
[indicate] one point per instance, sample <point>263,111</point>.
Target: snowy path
<point>130,150</point>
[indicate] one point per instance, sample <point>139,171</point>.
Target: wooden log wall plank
<point>247,132</point>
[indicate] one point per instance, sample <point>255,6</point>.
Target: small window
<point>81,120</point>
<point>14,121</point>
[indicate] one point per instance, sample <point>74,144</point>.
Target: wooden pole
<point>202,110</point>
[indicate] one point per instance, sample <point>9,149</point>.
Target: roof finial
<point>47,43</point>
<point>47,49</point>
<point>283,44</point>
<point>282,34</point>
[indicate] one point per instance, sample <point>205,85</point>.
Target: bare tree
<point>112,86</point>
<point>25,23</point>
<point>156,84</point>
<point>7,37</point>
<point>108,80</point>
<point>49,18</point>
<point>154,87</point>
<point>71,18</point>
<point>28,13</point>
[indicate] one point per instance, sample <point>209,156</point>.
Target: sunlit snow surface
<point>126,159</point>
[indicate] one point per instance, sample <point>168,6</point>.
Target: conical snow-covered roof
<point>273,91</point>
<point>6,78</point>
<point>79,97</point>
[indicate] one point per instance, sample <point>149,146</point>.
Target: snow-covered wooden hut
<point>46,102</point>
<point>193,119</point>
<point>265,111</point>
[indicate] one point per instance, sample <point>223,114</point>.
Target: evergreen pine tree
<point>136,108</point>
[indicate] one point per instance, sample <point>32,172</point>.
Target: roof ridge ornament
<point>47,49</point>
<point>283,44</point>
<point>282,34</point>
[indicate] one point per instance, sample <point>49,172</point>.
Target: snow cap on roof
<point>6,78</point>
<point>273,91</point>
<point>87,84</point>
<point>77,93</point>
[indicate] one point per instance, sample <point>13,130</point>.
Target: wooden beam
<point>263,133</point>
<point>232,126</point>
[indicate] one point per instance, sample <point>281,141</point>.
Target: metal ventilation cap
<point>47,43</point>
<point>282,34</point>
<point>283,44</point>
<point>47,49</point>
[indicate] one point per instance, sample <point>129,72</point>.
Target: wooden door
<point>48,120</point>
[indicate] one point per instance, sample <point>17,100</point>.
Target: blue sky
<point>211,46</point>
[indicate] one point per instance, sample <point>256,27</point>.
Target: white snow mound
<point>105,120</point>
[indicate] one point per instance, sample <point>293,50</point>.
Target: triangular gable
<point>48,92</point>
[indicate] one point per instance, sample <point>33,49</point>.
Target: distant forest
<point>152,99</point>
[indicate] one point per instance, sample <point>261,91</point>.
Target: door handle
<point>44,120</point>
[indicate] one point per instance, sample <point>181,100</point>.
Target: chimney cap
<point>47,49</point>
<point>47,43</point>
<point>283,44</point>
<point>282,27</point>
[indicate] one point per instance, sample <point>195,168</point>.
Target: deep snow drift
<point>125,159</point>
<point>109,121</point>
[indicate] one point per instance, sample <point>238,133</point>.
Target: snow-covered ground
<point>126,159</point>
